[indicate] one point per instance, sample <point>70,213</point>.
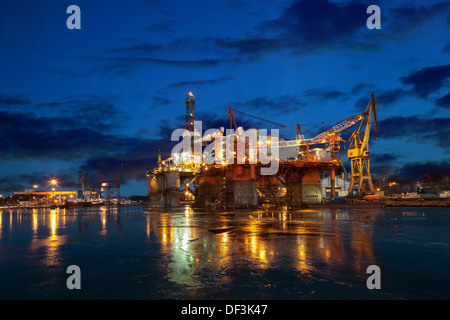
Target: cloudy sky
<point>112,92</point>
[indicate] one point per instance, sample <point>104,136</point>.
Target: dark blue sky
<point>114,91</point>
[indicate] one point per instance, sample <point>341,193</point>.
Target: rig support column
<point>294,188</point>
<point>173,189</point>
<point>333,184</point>
<point>153,190</point>
<point>244,186</point>
<point>311,192</point>
<point>161,185</point>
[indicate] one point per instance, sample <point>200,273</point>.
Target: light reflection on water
<point>259,240</point>
<point>195,253</point>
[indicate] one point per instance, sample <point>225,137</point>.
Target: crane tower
<point>358,152</point>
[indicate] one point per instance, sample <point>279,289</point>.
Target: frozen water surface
<point>134,252</point>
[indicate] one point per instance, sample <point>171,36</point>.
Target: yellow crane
<point>358,152</point>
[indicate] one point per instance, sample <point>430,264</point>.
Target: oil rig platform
<point>228,184</point>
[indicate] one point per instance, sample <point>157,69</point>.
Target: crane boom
<point>323,137</point>
<point>341,126</point>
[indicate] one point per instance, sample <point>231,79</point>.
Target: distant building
<point>341,186</point>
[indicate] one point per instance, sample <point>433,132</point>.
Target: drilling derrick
<point>190,111</point>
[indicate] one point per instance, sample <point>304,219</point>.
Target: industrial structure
<point>48,196</point>
<point>240,182</point>
<point>358,153</point>
<point>105,192</point>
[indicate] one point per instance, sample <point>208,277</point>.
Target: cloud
<point>446,49</point>
<point>444,101</point>
<point>407,19</point>
<point>13,101</point>
<point>380,161</point>
<point>390,96</point>
<point>361,86</point>
<point>20,182</point>
<point>164,26</point>
<point>137,49</point>
<point>324,94</point>
<point>383,158</point>
<point>271,106</point>
<point>320,22</point>
<point>251,45</point>
<point>86,112</point>
<point>65,137</point>
<point>27,136</point>
<point>384,98</point>
<point>66,130</point>
<point>419,169</point>
<point>361,104</point>
<point>418,128</point>
<point>304,26</point>
<point>131,60</point>
<point>196,83</point>
<point>160,101</point>
<point>193,63</point>
<point>307,26</point>
<point>427,80</point>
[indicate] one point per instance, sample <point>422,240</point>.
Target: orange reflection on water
<point>148,227</point>
<point>53,222</point>
<point>35,223</point>
<point>309,241</point>
<point>103,211</point>
<point>303,261</point>
<point>54,241</point>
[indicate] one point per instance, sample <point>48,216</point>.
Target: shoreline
<point>359,204</point>
<point>397,203</point>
